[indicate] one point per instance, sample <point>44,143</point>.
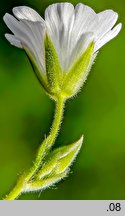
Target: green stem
<point>43,149</point>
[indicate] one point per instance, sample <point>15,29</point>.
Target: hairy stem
<point>42,151</point>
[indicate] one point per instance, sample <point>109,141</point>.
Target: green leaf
<point>75,77</point>
<point>53,68</point>
<point>55,168</point>
<point>60,159</point>
<point>48,167</point>
<point>44,183</point>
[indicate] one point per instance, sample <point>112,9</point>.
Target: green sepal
<point>74,78</point>
<point>53,68</point>
<point>41,76</point>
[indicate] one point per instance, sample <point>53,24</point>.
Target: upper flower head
<point>70,31</point>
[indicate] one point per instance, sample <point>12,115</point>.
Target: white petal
<point>108,36</point>
<point>59,20</point>
<point>12,23</point>
<point>86,20</point>
<point>18,29</point>
<point>59,13</point>
<point>35,31</point>
<point>13,40</point>
<point>71,30</point>
<point>107,20</point>
<point>80,47</point>
<point>30,34</point>
<point>27,13</point>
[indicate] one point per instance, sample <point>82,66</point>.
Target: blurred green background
<point>98,111</point>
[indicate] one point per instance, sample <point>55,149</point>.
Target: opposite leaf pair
<point>55,167</point>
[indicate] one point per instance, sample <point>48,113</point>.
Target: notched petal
<point>13,40</point>
<point>24,12</point>
<point>108,36</point>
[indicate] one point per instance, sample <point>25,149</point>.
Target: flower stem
<point>42,151</point>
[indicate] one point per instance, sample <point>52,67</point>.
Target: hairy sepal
<point>75,77</point>
<point>53,68</point>
<point>41,76</point>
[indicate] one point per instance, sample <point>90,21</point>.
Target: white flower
<point>71,31</point>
